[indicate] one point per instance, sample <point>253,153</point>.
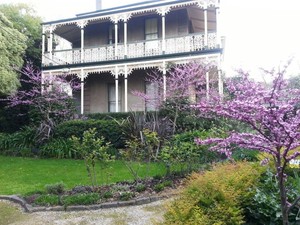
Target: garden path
<point>11,214</point>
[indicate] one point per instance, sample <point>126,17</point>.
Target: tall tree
<point>273,113</point>
<point>12,49</point>
<point>49,97</point>
<point>26,21</point>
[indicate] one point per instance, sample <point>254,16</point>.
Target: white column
<point>164,80</point>
<point>50,47</point>
<point>43,82</point>
<point>116,40</point>
<point>43,46</point>
<point>82,92</point>
<point>220,81</point>
<point>218,27</point>
<point>207,85</point>
<point>205,28</point>
<point>82,44</point>
<point>117,88</point>
<point>126,88</point>
<point>163,22</point>
<point>125,39</point>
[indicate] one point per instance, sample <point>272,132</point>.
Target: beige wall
<point>97,34</point>
<point>136,82</point>
<point>96,91</point>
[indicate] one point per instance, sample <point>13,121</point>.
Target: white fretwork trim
<point>125,17</point>
<point>207,3</point>
<point>212,59</point>
<point>163,10</point>
<point>115,18</point>
<point>82,23</point>
<point>50,28</point>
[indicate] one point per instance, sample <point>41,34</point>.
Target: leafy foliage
<point>92,149</point>
<point>12,49</point>
<point>139,150</point>
<point>272,112</point>
<point>49,98</point>
<point>185,84</point>
<point>20,143</point>
<point>47,200</point>
<point>215,197</point>
<point>182,150</point>
<point>80,199</point>
<point>55,189</point>
<point>59,148</point>
<point>25,20</point>
<point>265,208</point>
<point>109,129</point>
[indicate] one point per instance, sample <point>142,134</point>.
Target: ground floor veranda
<point>109,88</point>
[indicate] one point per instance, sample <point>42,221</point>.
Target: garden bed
<point>106,196</point>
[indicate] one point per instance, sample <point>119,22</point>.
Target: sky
<point>258,33</point>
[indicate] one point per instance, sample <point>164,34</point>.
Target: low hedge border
<point>30,209</point>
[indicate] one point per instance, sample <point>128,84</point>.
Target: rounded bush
<point>109,129</point>
<point>215,197</point>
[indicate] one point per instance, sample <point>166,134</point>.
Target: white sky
<point>259,33</point>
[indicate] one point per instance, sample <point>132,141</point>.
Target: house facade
<point>113,50</point>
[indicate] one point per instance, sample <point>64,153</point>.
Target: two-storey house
<point>112,50</point>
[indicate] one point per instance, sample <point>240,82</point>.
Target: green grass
<point>22,175</point>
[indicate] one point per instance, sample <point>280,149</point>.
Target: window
<point>151,31</point>
<point>112,98</point>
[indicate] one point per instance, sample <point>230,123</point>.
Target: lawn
<point>23,175</point>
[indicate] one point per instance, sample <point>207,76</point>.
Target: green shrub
<point>10,119</point>
<point>59,148</point>
<point>241,154</point>
<point>109,129</point>
<point>157,177</point>
<point>265,206</point>
<point>125,196</point>
<point>159,187</point>
<point>187,118</point>
<point>167,183</point>
<point>107,194</point>
<point>109,116</point>
<point>21,143</point>
<point>182,150</point>
<point>47,200</point>
<point>55,189</point>
<point>92,149</point>
<point>80,199</point>
<point>140,187</point>
<point>215,197</point>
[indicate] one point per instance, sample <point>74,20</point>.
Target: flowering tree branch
<point>50,97</point>
<point>273,113</point>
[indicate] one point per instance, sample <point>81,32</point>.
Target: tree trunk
<point>283,196</point>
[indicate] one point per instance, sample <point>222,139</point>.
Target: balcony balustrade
<point>139,49</point>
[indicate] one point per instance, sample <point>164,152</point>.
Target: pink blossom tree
<point>183,85</point>
<point>49,97</point>
<point>273,113</point>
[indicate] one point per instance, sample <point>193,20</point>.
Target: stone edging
<point>30,209</point>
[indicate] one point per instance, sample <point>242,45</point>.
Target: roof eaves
<point>106,13</point>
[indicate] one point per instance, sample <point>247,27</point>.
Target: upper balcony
<point>134,33</point>
<point>183,44</point>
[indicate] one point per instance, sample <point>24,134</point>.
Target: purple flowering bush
<point>273,113</point>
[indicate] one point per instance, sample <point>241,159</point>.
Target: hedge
<point>109,129</point>
<point>109,116</point>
